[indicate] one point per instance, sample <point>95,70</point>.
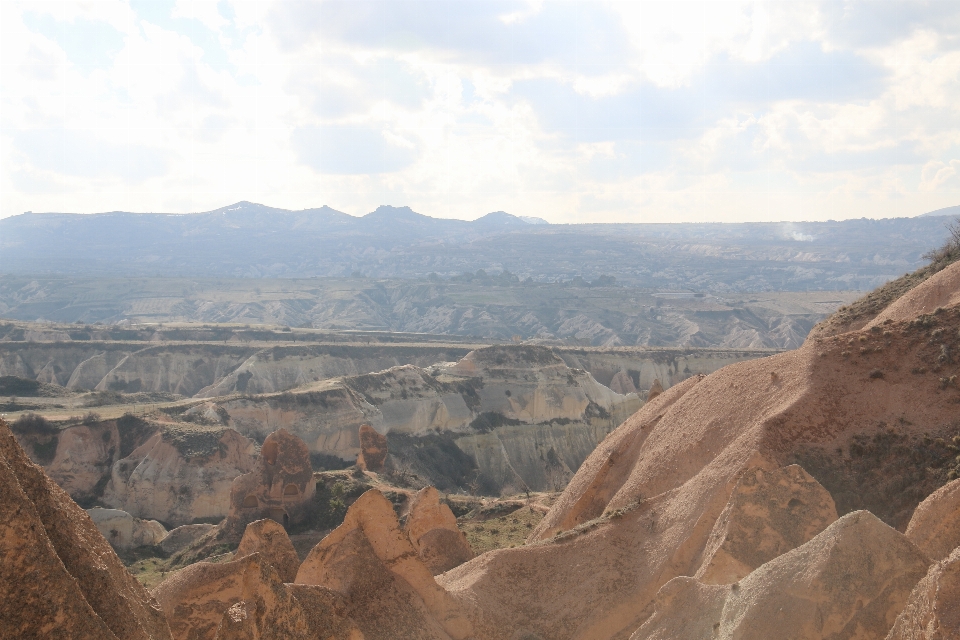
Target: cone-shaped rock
<point>769,513</point>
<point>935,525</point>
<point>933,610</point>
<point>848,582</point>
<point>390,592</point>
<point>271,541</point>
<point>434,534</point>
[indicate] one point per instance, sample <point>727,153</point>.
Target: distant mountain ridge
<point>946,211</point>
<point>248,239</point>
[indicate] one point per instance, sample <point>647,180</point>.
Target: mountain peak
<point>388,212</point>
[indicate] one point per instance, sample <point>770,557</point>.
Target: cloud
<point>86,154</point>
<point>351,150</point>
<point>88,44</point>
<point>569,111</point>
<point>937,174</point>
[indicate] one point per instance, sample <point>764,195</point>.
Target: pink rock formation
<point>373,449</point>
<point>58,576</point>
<point>280,487</point>
<point>389,591</point>
<point>269,539</point>
<point>933,610</point>
<point>850,581</point>
<point>640,510</point>
<point>940,290</point>
<point>655,389</point>
<point>434,534</point>
<point>935,525</point>
<point>246,599</point>
<point>769,513</point>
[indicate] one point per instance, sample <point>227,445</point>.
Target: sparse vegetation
<point>869,306</point>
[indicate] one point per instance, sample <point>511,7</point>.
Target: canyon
<point>813,491</point>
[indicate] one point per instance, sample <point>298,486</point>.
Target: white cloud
<point>582,111</point>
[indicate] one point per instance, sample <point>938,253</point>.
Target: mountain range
<point>250,240</point>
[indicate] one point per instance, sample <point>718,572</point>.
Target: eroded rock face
<point>181,474</point>
<point>123,531</point>
<point>655,389</point>
<point>280,487</point>
<point>641,508</point>
<point>58,577</point>
<point>84,455</point>
<point>933,610</point>
<point>769,513</point>
<point>849,581</point>
<point>373,449</point>
<point>270,540</point>
<point>183,536</point>
<point>935,525</point>
<point>246,600</point>
<point>389,592</point>
<point>509,406</point>
<point>288,612</point>
<point>433,532</point>
<point>939,290</point>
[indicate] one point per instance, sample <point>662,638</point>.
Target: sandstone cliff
<point>525,418</point>
<point>58,577</point>
<point>933,609</point>
<point>181,474</point>
<point>642,508</point>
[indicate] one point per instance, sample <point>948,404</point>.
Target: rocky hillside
<point>159,364</point>
<point>502,418</point>
<point>811,494</point>
<point>597,313</point>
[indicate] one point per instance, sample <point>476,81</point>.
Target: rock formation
<point>245,599</point>
<point>123,531</point>
<point>84,456</point>
<point>938,291</point>
<point>269,539</point>
<point>184,536</point>
<point>505,407</point>
<point>655,389</point>
<point>850,581</point>
<point>373,449</point>
<point>181,474</point>
<point>280,487</point>
<point>933,610</point>
<point>641,508</point>
<point>622,383</point>
<point>769,513</point>
<point>389,592</point>
<point>433,532</point>
<point>935,525</point>
<point>58,577</point>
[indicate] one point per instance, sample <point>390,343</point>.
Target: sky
<point>570,111</point>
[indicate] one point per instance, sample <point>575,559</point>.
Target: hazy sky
<point>572,111</point>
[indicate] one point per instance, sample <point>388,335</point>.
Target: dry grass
<point>500,532</point>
